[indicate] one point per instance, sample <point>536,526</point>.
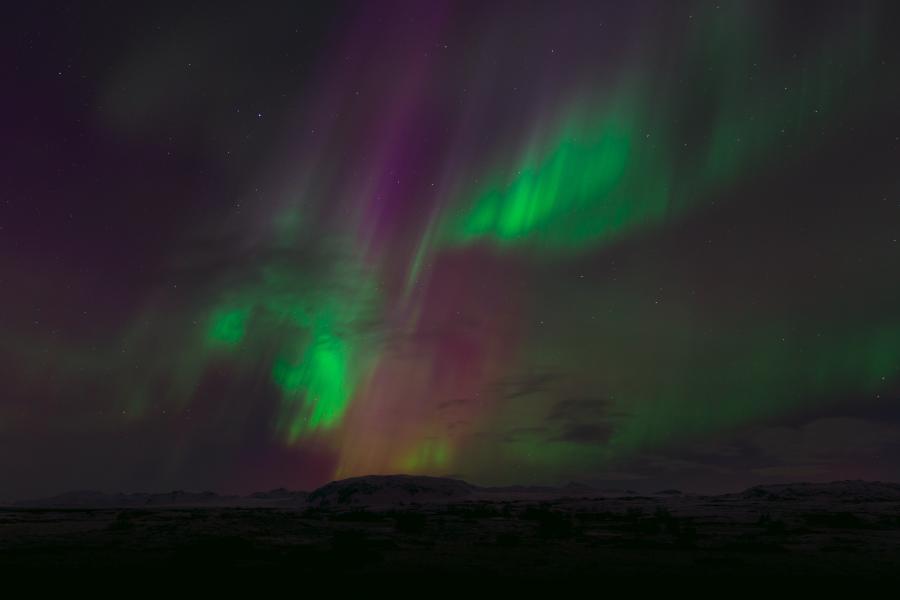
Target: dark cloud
<point>575,409</point>
<point>527,384</point>
<point>597,433</point>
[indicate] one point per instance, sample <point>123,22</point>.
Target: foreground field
<point>850,530</point>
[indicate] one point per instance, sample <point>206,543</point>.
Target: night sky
<point>634,244</point>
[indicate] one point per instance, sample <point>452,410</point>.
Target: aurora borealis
<point>641,243</point>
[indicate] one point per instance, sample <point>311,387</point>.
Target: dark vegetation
<point>666,536</point>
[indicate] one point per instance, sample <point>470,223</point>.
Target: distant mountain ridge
<point>852,490</point>
<point>96,499</point>
<point>385,490</point>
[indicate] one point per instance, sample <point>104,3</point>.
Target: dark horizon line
<point>626,491</point>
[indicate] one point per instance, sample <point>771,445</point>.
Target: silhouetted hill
<point>390,489</point>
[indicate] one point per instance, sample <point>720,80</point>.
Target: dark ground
<point>525,536</point>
